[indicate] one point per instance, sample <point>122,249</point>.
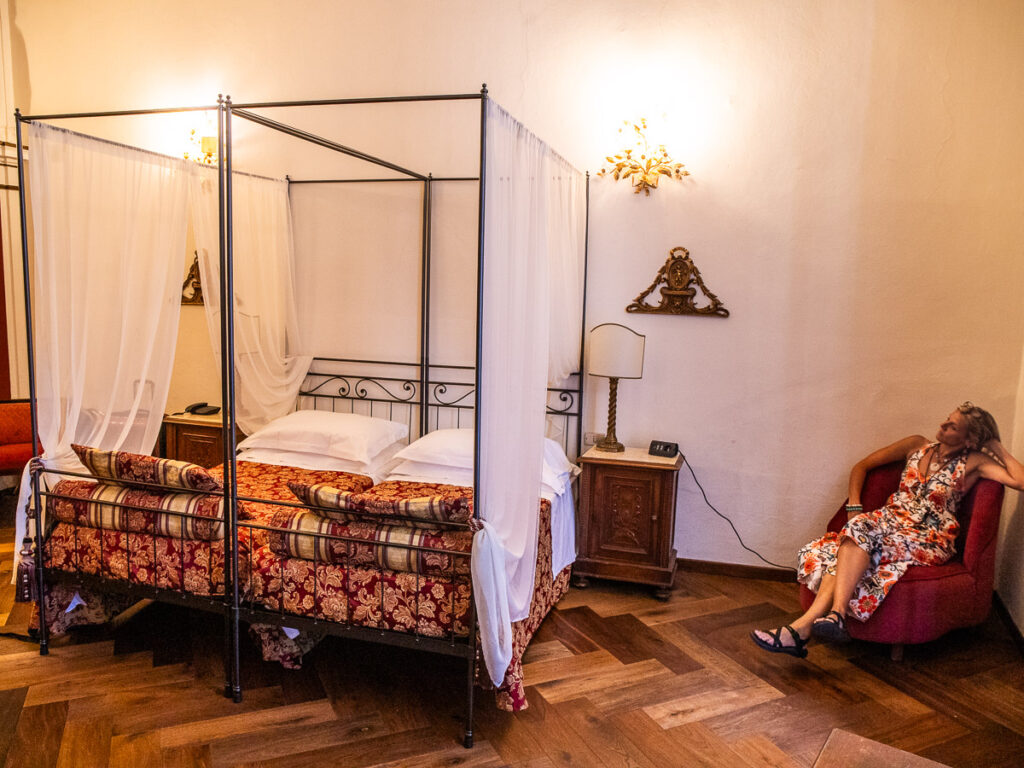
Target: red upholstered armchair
<point>932,600</point>
<point>15,436</point>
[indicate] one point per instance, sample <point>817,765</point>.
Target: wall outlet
<point>591,438</point>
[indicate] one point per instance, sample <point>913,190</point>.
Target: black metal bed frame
<point>424,393</point>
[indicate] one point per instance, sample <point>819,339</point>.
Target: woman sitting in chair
<point>852,571</point>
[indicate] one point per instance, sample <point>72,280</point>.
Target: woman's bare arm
<point>898,451</point>
<point>1010,474</point>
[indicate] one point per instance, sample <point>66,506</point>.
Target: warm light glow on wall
<point>685,100</point>
<point>201,145</point>
<point>169,134</point>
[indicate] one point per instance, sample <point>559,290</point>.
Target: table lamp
<point>616,352</point>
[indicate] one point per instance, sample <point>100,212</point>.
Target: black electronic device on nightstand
<point>662,448</point>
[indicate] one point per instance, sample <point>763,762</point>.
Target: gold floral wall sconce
<point>203,149</point>
<point>680,282</point>
<point>640,164</point>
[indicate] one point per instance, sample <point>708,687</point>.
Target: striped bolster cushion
<point>383,545</point>
<point>114,507</point>
<point>126,467</point>
<point>449,504</point>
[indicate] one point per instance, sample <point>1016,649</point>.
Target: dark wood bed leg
<point>232,661</point>
<point>467,737</point>
<point>235,658</point>
<point>43,634</point>
<point>896,652</point>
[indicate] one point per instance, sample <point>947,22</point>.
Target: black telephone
<point>202,409</point>
<point>661,448</point>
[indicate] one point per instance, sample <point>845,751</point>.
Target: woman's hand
<point>995,451</point>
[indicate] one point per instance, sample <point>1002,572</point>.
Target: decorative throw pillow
<point>420,502</point>
<point>135,468</point>
<point>324,495</point>
<point>117,507</point>
<point>301,534</point>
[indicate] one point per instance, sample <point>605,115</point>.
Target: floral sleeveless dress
<point>917,526</point>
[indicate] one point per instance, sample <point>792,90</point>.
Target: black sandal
<point>799,649</point>
<point>831,627</point>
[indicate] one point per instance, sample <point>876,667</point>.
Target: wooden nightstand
<point>199,439</point>
<point>628,518</point>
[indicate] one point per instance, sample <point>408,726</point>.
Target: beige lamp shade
<point>616,352</point>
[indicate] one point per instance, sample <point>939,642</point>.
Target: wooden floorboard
<point>615,678</point>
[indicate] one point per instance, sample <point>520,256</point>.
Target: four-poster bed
<point>394,562</point>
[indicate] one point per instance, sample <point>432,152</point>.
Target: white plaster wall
<point>196,375</point>
<point>855,200</point>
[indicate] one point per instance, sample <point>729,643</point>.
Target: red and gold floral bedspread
<point>382,584</point>
<point>433,602</point>
<point>172,562</point>
<point>406,602</point>
<point>547,591</point>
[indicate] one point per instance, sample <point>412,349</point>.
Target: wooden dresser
<point>628,518</point>
<point>199,439</point>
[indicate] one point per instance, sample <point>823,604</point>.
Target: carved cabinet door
<point>200,445</point>
<point>626,526</point>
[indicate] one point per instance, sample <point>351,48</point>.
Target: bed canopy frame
<point>425,391</point>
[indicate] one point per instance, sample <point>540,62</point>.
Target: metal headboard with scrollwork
<point>399,391</point>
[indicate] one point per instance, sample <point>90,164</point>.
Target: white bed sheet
<point>317,461</point>
<point>563,517</point>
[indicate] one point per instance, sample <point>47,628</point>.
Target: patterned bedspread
<point>409,602</point>
<point>425,591</point>
<point>133,545</point>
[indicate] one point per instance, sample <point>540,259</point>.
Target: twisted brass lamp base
<point>609,442</point>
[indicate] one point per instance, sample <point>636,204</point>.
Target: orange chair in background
<point>15,436</point>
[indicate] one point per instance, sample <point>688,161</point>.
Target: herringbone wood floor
<point>616,679</point>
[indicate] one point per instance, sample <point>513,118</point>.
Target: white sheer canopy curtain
<point>567,228</point>
<point>531,197</point>
<point>270,359</point>
<point>108,233</point>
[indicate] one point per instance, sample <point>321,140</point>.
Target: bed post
<point>425,307</point>
<point>467,740</point>
<point>44,638</point>
<point>232,671</point>
<point>228,311</point>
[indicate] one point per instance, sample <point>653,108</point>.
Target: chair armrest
<point>878,486</point>
<point>980,543</point>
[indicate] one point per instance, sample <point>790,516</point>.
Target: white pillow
<point>555,458</point>
<point>381,465</point>
<point>454,448</point>
<point>432,473</point>
<point>349,436</point>
<point>424,472</point>
<point>451,447</point>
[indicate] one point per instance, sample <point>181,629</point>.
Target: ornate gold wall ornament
<point>643,172</point>
<point>680,279</point>
<point>192,288</point>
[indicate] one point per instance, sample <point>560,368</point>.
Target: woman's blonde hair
<point>981,427</point>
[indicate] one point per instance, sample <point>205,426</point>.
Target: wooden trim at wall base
<point>1011,625</point>
<point>735,569</point>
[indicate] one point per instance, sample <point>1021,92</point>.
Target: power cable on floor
<point>738,537</point>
